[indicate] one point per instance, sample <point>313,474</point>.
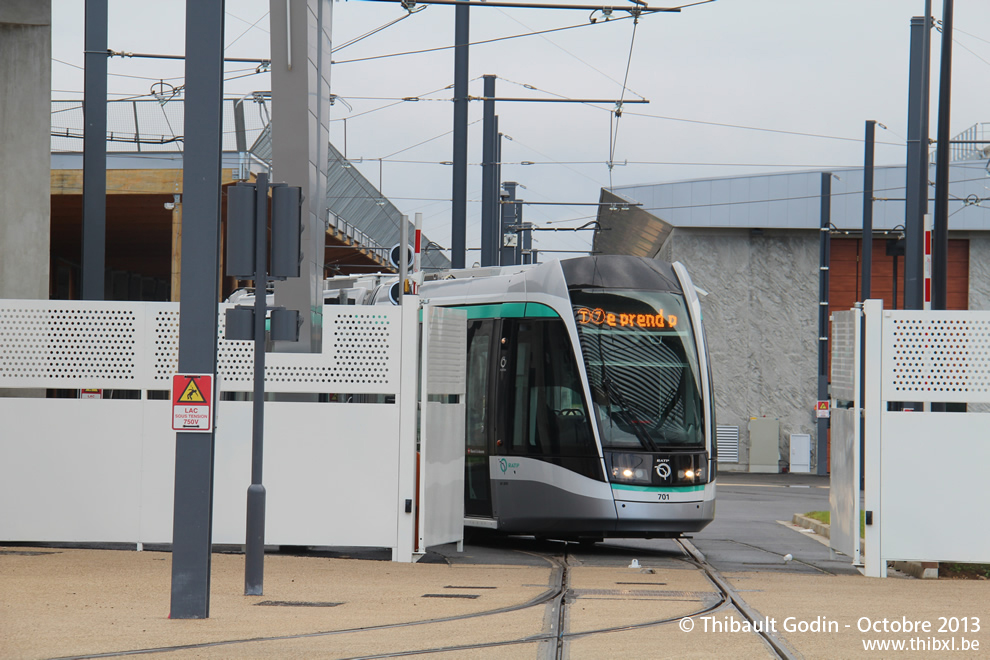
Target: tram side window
<point>548,415</point>
<point>476,396</point>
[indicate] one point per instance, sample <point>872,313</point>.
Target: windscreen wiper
<point>641,433</point>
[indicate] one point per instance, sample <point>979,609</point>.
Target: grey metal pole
<point>192,517</point>
<point>254,547</point>
<point>871,127</point>
<point>489,185</point>
<point>823,315</point>
<point>927,84</point>
<point>527,243</point>
<point>403,255</point>
<point>496,228</point>
<point>925,146</point>
<point>524,235</point>
<point>940,232</point>
<point>458,210</point>
<point>506,254</point>
<point>917,168</point>
<point>867,266</point>
<point>94,220</point>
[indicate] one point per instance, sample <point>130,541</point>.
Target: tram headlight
<point>691,475</point>
<point>631,468</point>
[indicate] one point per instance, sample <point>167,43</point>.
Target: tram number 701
<point>664,497</point>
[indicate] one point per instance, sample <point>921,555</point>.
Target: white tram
<point>589,398</point>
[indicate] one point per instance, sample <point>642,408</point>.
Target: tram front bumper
<point>641,518</point>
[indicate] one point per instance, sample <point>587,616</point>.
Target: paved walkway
<point>79,602</point>
<point>71,602</point>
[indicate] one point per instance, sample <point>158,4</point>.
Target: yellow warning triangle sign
<point>192,394</point>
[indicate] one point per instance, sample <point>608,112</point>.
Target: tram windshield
<point>643,368</point>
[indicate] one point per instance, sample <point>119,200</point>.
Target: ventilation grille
<point>844,355</point>
<point>727,441</point>
<point>937,359</point>
<point>446,371</point>
<point>68,344</point>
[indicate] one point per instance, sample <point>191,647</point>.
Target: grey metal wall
<point>791,199</point>
<point>761,318</point>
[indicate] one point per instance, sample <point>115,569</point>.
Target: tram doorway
<point>477,482</point>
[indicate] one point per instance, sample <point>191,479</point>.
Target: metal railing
<point>971,144</point>
<point>353,234</point>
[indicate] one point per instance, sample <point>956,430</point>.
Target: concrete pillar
<point>25,147</point>
<point>300,41</point>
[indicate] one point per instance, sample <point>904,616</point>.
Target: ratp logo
<point>504,465</point>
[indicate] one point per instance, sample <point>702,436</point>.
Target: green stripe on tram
<point>659,489</point>
<point>513,310</point>
<point>539,309</point>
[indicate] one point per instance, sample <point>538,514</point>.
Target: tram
<point>589,403</point>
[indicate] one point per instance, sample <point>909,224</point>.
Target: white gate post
<point>872,409</point>
<point>407,402</point>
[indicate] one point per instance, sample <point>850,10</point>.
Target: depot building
<point>753,244</point>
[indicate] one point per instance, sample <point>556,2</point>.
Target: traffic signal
<point>286,231</point>
<point>241,211</point>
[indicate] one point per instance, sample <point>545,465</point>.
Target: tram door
<point>540,414</point>
<point>477,482</point>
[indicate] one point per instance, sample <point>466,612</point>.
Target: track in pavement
<point>557,637</point>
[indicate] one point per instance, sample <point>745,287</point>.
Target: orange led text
<point>599,316</point>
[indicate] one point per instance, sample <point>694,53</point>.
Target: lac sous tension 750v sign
<point>192,402</point>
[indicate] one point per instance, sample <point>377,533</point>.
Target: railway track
<point>575,609</point>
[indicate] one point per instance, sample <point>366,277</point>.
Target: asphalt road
<point>745,536</point>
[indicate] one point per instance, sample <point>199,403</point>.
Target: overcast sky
<point>711,73</point>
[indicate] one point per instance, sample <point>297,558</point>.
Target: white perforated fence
<point>936,358</point>
<point>916,509</point>
<point>124,345</point>
<point>360,355</point>
<point>93,471</point>
<point>58,344</point>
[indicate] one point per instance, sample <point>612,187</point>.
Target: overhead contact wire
<point>614,134</point>
<point>473,43</point>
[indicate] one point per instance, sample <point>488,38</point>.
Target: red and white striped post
<point>417,253</point>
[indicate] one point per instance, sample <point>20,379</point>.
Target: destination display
<point>599,316</point>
